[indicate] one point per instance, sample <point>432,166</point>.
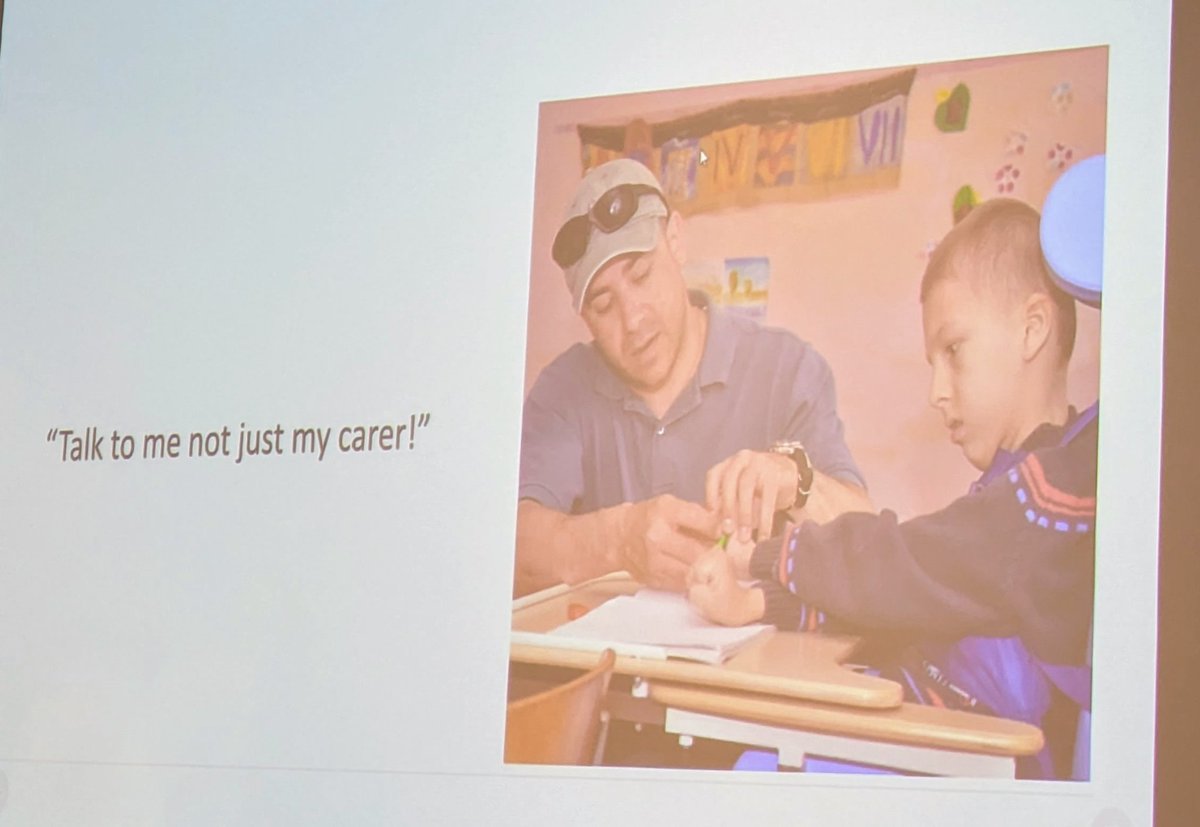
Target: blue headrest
<point>1072,230</point>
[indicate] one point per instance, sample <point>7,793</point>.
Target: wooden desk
<point>787,692</point>
<point>910,737</point>
<point>781,664</point>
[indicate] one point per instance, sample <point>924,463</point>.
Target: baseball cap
<point>639,234</point>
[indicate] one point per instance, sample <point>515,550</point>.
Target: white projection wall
<point>308,225</point>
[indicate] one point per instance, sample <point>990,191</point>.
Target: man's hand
<point>748,488</point>
<point>655,540</point>
<point>714,590</point>
<point>661,538</point>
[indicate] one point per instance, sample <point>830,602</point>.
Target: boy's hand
<point>714,590</point>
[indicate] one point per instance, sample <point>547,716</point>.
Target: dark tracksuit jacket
<point>982,604</point>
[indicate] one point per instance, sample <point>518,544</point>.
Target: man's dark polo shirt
<point>589,442</point>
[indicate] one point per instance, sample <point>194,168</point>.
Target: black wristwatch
<point>804,470</point>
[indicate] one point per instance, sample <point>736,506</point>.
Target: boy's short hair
<point>997,250</point>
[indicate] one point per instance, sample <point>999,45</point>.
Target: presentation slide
<point>540,414</point>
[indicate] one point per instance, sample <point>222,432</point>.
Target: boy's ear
<point>676,242</point>
<point>1039,321</point>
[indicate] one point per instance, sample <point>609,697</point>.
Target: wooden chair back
<point>560,725</point>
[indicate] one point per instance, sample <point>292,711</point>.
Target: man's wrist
<point>588,545</point>
<point>613,535</point>
<point>805,473</point>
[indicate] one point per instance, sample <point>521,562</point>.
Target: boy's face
<point>974,345</point>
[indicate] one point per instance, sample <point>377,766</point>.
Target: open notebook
<point>654,624</point>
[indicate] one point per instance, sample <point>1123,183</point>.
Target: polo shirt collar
<point>720,346</point>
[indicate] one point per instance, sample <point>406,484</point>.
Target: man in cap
<point>678,422</point>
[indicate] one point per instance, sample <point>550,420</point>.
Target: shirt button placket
<point>661,466</point>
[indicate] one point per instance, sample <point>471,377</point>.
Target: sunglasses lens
<point>610,213</point>
<point>615,208</point>
<point>571,241</point>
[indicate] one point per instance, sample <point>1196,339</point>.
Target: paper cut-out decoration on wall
<point>828,149</point>
<point>951,113</point>
<point>763,150</point>
<point>880,130</point>
<point>1015,143</point>
<point>733,152</point>
<point>741,284</point>
<point>1060,156</point>
<point>964,201</point>
<point>777,144</point>
<point>639,144</point>
<point>680,157</point>
<point>1072,230</point>
<point>1006,179</point>
<point>593,155</point>
<point>1061,97</point>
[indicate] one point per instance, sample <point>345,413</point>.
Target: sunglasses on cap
<point>610,213</point>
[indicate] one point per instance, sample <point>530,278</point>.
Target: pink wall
<point>845,272</point>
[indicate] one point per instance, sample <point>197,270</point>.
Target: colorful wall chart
<point>796,148</point>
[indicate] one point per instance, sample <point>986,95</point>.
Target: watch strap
<point>804,469</point>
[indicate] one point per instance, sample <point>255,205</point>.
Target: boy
<point>986,604</point>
